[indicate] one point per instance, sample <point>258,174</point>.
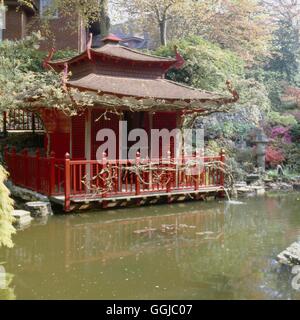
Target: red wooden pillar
<point>197,170</point>
<point>104,176</point>
<point>203,171</point>
<point>52,173</point>
<point>169,172</point>
<point>38,170</point>
<point>67,183</point>
<point>222,174</point>
<point>137,178</point>
<point>25,168</point>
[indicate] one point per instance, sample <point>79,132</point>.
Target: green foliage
<point>207,65</point>
<point>292,155</point>
<point>287,174</point>
<point>88,10</point>
<point>295,133</point>
<point>253,93</point>
<point>23,80</point>
<point>229,130</point>
<point>212,148</point>
<point>272,81</point>
<point>275,118</point>
<point>6,211</point>
<point>286,46</point>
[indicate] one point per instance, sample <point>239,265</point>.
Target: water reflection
<point>194,250</point>
<point>6,289</point>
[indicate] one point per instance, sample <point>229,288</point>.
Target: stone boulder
<point>39,208</point>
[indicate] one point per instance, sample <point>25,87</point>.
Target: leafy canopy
<point>207,66</point>
<point>23,81</point>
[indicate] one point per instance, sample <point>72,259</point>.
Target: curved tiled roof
<point>121,84</point>
<point>119,52</point>
<point>142,88</point>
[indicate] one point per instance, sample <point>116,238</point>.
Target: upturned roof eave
<point>169,62</point>
<point>222,100</point>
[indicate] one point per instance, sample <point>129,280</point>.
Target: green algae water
<point>196,250</point>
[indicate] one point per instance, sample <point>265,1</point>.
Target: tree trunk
<point>104,18</point>
<point>163,32</point>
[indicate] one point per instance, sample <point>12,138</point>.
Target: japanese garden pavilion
<point>128,85</point>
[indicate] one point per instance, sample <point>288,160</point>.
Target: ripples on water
<point>195,250</point>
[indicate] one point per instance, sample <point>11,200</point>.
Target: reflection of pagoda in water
<point>128,237</point>
<point>70,243</point>
<point>212,253</point>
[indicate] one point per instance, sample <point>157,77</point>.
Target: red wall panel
<point>165,120</point>
<point>112,122</point>
<point>60,144</point>
<point>78,137</point>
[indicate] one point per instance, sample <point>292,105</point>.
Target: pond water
<point>195,250</point>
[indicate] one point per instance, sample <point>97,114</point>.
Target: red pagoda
<point>67,171</point>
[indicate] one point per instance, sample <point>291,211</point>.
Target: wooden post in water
<point>67,182</point>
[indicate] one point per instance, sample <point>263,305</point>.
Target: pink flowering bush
<point>282,133</point>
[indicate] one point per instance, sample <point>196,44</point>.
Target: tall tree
<point>286,40</point>
<point>88,10</point>
<point>157,12</point>
<point>104,18</point>
<point>242,26</point>
<point>239,25</point>
<point>91,12</point>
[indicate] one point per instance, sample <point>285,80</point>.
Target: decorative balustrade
<point>88,179</point>
<point>21,120</point>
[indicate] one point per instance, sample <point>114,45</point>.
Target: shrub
<point>274,156</point>
<point>296,114</point>
<point>295,133</point>
<point>6,211</point>
<point>281,133</point>
<point>275,118</point>
<point>207,65</point>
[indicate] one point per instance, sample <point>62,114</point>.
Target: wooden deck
<point>112,183</point>
<point>96,201</point>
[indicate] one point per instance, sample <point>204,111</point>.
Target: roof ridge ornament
<point>89,46</point>
<point>48,59</point>
<point>111,39</point>
<point>179,59</point>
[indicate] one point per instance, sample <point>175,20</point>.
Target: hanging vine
<point>161,174</point>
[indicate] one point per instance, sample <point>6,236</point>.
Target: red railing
<point>87,179</point>
<point>21,120</point>
<point>36,172</point>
